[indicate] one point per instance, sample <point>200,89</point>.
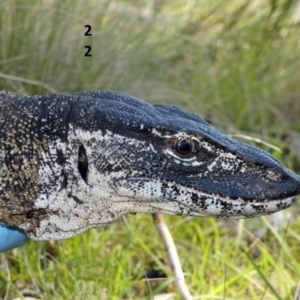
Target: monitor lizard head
<point>106,154</point>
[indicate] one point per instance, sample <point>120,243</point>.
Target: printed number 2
<point>89,28</point>
<point>87,53</point>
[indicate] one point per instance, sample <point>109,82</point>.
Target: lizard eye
<point>184,147</point>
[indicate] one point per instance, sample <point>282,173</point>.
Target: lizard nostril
<point>82,162</point>
<point>273,175</point>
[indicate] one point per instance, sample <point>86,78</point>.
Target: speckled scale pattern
<point>73,161</point>
<point>20,150</point>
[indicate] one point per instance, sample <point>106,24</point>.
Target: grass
<point>236,63</point>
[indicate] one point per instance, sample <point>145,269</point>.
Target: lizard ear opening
<point>83,163</point>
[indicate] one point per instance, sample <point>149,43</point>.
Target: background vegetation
<point>236,63</point>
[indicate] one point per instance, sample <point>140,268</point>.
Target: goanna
<point>73,161</point>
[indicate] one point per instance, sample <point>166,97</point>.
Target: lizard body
<point>73,161</point>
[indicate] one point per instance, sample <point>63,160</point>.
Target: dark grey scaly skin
<point>78,160</point>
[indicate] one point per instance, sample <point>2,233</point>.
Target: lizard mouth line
<point>225,207</point>
<point>197,203</point>
<point>242,200</point>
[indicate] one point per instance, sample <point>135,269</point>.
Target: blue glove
<point>11,237</point>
